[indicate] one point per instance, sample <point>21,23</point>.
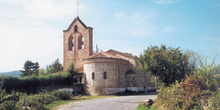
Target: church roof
<point>114,52</point>
<point>76,19</point>
<point>103,55</point>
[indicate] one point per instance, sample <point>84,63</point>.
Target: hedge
<point>30,84</point>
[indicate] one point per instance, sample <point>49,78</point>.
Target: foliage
<point>17,101</point>
<point>193,93</point>
<point>142,107</point>
<point>2,94</point>
<point>215,101</point>
<point>62,95</point>
<point>8,102</point>
<point>42,72</point>
<point>166,63</point>
<point>30,84</point>
<point>30,68</point>
<point>72,72</point>
<point>56,66</point>
<point>209,74</point>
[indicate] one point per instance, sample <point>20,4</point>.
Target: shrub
<point>18,101</point>
<point>8,102</point>
<point>30,84</point>
<point>62,95</point>
<point>215,101</point>
<point>195,92</point>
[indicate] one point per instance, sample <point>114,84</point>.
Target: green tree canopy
<point>167,64</point>
<point>56,66</point>
<point>30,68</point>
<point>72,72</point>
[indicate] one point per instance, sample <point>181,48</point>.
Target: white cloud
<point>28,43</point>
<point>164,1</point>
<point>169,29</point>
<point>142,26</point>
<point>119,14</point>
<point>140,33</point>
<point>26,35</point>
<point>44,9</point>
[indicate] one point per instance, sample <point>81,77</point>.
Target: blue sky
<point>32,29</point>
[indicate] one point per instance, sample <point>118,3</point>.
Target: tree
<point>167,64</point>
<point>30,68</point>
<point>56,66</point>
<point>72,72</point>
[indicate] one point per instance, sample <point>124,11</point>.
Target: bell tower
<point>77,43</point>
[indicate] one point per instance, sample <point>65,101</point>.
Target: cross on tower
<point>77,6</point>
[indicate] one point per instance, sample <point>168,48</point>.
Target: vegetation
<point>56,66</point>
<point>42,101</point>
<point>198,91</point>
<point>17,101</point>
<point>30,68</point>
<point>30,84</point>
<point>166,63</point>
<point>71,70</point>
<point>20,93</point>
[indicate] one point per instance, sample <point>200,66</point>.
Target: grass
<point>55,104</point>
<point>143,107</point>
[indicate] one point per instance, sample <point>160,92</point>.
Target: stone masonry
<point>102,73</point>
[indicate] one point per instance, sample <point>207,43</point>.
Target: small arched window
<point>75,28</point>
<point>93,75</point>
<point>70,43</point>
<point>104,75</point>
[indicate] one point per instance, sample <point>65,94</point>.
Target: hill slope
<point>11,73</point>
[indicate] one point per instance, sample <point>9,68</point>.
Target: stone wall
<point>97,85</point>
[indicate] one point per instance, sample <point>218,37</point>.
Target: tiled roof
<point>103,55</point>
<point>121,53</point>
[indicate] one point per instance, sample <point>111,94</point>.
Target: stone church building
<point>102,73</point>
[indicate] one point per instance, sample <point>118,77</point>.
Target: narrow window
<point>81,42</point>
<point>80,79</point>
<point>70,43</point>
<point>93,75</point>
<point>105,75</point>
<point>75,28</point>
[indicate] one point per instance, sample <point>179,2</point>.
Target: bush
<point>37,101</point>
<point>62,95</point>
<point>8,102</point>
<point>17,101</point>
<point>8,105</point>
<point>193,93</point>
<point>30,84</point>
<point>215,101</point>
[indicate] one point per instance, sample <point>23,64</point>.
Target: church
<point>102,73</point>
